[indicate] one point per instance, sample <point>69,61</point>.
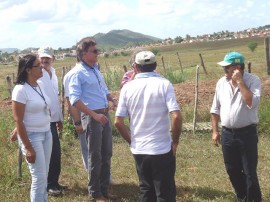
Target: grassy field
<point>200,173</point>
<point>212,52</point>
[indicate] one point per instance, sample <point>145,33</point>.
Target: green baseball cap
<point>232,58</point>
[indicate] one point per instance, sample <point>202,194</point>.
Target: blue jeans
<point>84,149</point>
<point>42,144</point>
<point>99,160</point>
<point>156,175</point>
<point>240,153</point>
<point>55,162</point>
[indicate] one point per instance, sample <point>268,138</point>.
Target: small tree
<point>252,46</point>
<point>178,39</point>
<point>154,50</point>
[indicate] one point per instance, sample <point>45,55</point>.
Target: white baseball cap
<point>45,51</point>
<point>145,58</point>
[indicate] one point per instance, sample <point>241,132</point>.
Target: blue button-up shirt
<point>87,84</point>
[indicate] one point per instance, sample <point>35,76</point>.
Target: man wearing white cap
<point>235,104</point>
<point>147,101</point>
<point>49,82</point>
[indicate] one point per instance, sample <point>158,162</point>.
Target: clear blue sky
<point>61,23</point>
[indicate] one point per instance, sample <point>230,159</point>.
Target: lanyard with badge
<point>96,74</point>
<point>47,109</point>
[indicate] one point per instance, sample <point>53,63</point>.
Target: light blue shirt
<point>87,84</point>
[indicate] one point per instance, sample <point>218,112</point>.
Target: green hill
<point>122,38</point>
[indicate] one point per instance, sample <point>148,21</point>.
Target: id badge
<point>47,110</point>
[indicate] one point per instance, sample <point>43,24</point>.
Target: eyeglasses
<point>96,51</point>
<point>38,65</point>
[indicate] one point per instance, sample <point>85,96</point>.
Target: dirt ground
<point>185,93</point>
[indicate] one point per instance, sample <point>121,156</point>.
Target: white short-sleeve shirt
<point>36,116</point>
<point>147,100</point>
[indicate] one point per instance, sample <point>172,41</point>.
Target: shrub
<point>174,76</point>
<point>106,55</point>
<point>155,51</point>
<point>252,46</point>
<point>264,116</point>
<point>124,53</point>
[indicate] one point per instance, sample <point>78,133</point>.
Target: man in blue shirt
<point>89,93</point>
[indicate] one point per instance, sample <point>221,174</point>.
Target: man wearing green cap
<point>235,104</point>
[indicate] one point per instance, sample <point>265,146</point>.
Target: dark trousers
<point>55,162</point>
<point>156,175</point>
<point>240,153</point>
<point>99,138</point>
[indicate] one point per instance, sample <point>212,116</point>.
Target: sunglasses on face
<point>96,51</point>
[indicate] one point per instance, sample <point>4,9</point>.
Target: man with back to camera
<point>235,104</point>
<point>147,101</point>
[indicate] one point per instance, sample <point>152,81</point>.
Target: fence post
<point>163,63</point>
<point>266,44</point>
<point>19,169</point>
<point>64,69</point>
<point>196,100</point>
<point>179,62</point>
<point>125,68</point>
<point>106,64</point>
<point>249,67</point>
<point>13,78</point>
<point>63,90</point>
<point>9,83</point>
<point>19,163</point>
<point>202,63</point>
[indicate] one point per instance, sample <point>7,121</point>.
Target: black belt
<point>240,129</point>
<point>105,110</point>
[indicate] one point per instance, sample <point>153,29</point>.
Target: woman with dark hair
<point>31,112</point>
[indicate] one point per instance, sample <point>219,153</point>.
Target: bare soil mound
<point>185,92</point>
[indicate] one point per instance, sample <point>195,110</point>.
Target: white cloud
<point>61,23</point>
<point>4,4</point>
<point>156,7</point>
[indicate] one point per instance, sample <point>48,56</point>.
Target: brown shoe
<point>111,196</point>
<point>101,199</point>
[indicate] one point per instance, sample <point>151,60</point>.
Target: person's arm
<point>176,128</point>
<point>75,114</point>
<point>75,93</point>
<point>18,114</point>
<point>59,125</point>
<point>13,135</point>
<point>246,93</point>
<point>83,108</point>
<point>215,132</point>
<point>128,76</point>
<point>113,100</point>
<point>122,128</point>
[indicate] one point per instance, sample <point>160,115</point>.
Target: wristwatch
<point>77,123</point>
